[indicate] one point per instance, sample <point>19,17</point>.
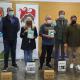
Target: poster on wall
<point>22,12</point>
<point>3,12</point>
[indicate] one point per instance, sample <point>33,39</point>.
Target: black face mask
<point>73,22</point>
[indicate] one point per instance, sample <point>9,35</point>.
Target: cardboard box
<point>6,75</point>
<point>49,74</point>
<point>31,67</point>
<point>61,66</point>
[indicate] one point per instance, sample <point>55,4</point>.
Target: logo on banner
<point>27,12</point>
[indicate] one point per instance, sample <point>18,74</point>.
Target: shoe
<point>15,66</point>
<point>71,66</point>
<point>78,67</point>
<point>49,65</point>
<point>5,69</point>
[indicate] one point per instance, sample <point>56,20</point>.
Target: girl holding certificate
<point>28,34</point>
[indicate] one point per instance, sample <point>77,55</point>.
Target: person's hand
<point>50,37</point>
<point>26,30</point>
<point>65,45</point>
<point>47,36</point>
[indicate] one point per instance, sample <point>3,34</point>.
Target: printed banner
<point>22,11</point>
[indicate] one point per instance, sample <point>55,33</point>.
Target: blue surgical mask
<point>11,13</point>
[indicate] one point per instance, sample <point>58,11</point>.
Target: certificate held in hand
<point>51,33</point>
<point>30,34</point>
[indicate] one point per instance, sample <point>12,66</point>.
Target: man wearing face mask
<point>47,41</point>
<point>73,43</point>
<point>60,28</point>
<point>10,29</point>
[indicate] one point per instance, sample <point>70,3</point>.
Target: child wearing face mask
<point>28,34</point>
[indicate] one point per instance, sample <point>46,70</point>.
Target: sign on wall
<point>22,12</point>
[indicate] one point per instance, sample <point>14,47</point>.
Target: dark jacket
<point>10,27</point>
<point>1,26</point>
<point>44,30</point>
<point>60,28</point>
<point>73,35</point>
<point>26,45</point>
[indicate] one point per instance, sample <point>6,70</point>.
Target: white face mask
<point>61,16</point>
<point>49,21</point>
<point>11,13</point>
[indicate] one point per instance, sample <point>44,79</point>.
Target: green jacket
<point>60,28</point>
<point>73,35</point>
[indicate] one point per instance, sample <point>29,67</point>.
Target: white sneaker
<point>71,66</point>
<point>78,67</point>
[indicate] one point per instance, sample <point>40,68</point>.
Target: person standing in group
<point>60,28</point>
<point>73,43</point>
<point>10,28</point>
<point>28,34</point>
<point>47,34</point>
<point>1,16</point>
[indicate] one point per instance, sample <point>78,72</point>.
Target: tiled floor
<point>21,74</point>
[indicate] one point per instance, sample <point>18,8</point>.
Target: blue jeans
<point>27,56</point>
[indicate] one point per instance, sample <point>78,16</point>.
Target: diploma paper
<point>51,33</point>
<point>30,34</point>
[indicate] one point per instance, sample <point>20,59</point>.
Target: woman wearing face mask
<point>28,34</point>
<point>73,43</point>
<point>47,41</point>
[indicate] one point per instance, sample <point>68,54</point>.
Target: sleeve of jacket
<point>22,33</point>
<point>41,31</point>
<point>1,26</point>
<point>18,25</point>
<point>66,35</point>
<point>35,32</point>
<point>3,22</point>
